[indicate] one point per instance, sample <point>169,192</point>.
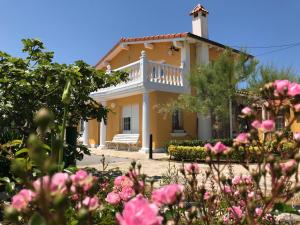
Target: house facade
<point>158,67</point>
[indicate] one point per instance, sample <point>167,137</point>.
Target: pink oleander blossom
<point>58,182</point>
<point>139,211</point>
<point>294,89</point>
<point>297,107</point>
<point>256,124</point>
<point>19,202</point>
<point>258,211</point>
<point>27,194</point>
<point>91,203</point>
<point>43,182</point>
<point>268,125</point>
<point>123,181</point>
<point>297,136</point>
<point>192,168</point>
<point>219,148</point>
<point>282,86</point>
<point>288,166</point>
<point>113,198</point>
<point>242,138</point>
<point>126,193</point>
<point>167,195</point>
<point>207,195</point>
<point>236,212</point>
<point>247,111</point>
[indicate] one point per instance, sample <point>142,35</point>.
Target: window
<point>126,124</point>
<point>280,122</point>
<point>177,120</point>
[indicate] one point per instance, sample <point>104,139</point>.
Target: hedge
<point>198,153</point>
<point>194,143</point>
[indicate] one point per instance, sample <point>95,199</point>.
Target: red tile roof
<point>198,8</point>
<point>155,37</point>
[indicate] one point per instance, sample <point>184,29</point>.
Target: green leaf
<point>37,219</point>
<point>23,150</point>
<point>10,187</point>
<point>5,179</point>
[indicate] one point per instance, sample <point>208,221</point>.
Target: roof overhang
<point>123,43</point>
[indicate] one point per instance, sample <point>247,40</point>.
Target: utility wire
<point>277,50</point>
<point>268,46</point>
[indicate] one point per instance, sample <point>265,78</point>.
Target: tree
<point>36,81</point>
<point>267,74</point>
<point>213,86</point>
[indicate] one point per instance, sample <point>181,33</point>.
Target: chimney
<point>199,21</point>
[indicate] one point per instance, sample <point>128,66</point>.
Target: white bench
<point>124,139</point>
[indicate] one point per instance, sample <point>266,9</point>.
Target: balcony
<point>146,74</point>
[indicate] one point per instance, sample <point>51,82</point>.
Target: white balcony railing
<point>155,72</point>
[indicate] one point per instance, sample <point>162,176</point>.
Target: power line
<point>267,46</point>
<point>277,50</point>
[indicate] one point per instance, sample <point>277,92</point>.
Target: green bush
<point>194,143</point>
<point>198,153</point>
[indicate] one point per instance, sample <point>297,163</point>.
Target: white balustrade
<point>165,74</point>
<point>145,70</point>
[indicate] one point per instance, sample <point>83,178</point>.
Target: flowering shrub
<point>212,196</point>
<point>50,196</point>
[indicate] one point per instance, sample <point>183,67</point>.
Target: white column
<point>185,64</point>
<point>143,67</point>
<point>102,131</point>
<point>204,121</point>
<point>85,135</point>
<point>146,122</point>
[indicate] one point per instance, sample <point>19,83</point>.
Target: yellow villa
<point>158,67</point>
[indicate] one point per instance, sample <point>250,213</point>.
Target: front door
<point>130,119</point>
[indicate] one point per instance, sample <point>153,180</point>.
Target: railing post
<point>108,69</point>
<point>150,147</point>
<point>143,66</point>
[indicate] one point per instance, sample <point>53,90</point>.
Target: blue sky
<point>78,29</point>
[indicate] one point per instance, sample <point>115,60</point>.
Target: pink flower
<point>126,193</point>
<point>256,124</point>
<point>258,211</point>
<point>227,189</point>
<point>113,198</point>
<point>27,194</point>
<point>123,181</point>
<point>288,166</point>
<point>58,182</point>
<point>19,202</point>
<point>242,138</point>
<point>297,136</point>
<point>251,194</point>
<point>236,180</point>
<point>219,148</point>
<point>247,111</point>
<point>268,125</point>
<point>82,179</point>
<point>167,195</point>
<point>236,212</point>
<point>297,107</point>
<point>192,168</point>
<point>91,203</point>
<point>208,147</point>
<point>79,177</point>
<point>139,211</point>
<point>207,195</point>
<point>294,89</point>
<point>281,86</point>
<point>41,182</point>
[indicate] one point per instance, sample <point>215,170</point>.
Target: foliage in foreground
<point>206,196</point>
